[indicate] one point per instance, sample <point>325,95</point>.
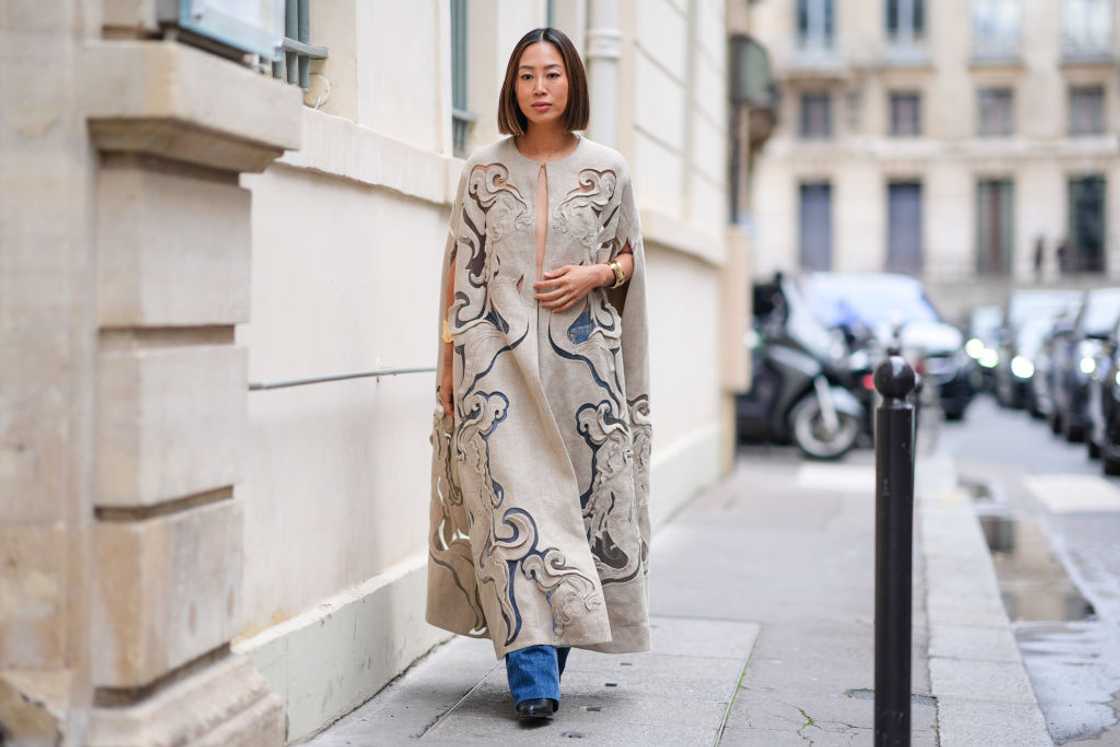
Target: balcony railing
<point>294,61</point>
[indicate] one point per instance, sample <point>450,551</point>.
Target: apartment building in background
<point>972,143</point>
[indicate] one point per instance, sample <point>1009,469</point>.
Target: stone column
<point>124,431</point>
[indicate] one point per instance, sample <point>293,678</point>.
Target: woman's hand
<point>566,286</point>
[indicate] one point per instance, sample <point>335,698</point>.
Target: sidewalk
<point>763,604</point>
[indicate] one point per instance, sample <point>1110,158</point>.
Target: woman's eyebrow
<point>530,67</point>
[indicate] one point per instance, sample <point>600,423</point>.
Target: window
<point>1086,110</point>
<point>1087,28</point>
<point>815,226</point>
<point>904,227</point>
<point>995,107</point>
<point>816,115</point>
<point>461,117</point>
<point>995,28</point>
<point>815,24</point>
<point>994,225</point>
<point>223,26</point>
<point>294,64</point>
<point>1085,251</point>
<point>905,21</point>
<point>906,114</point>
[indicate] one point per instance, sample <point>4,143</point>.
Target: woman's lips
<point>542,107</point>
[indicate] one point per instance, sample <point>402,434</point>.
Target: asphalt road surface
<point>1053,520</point>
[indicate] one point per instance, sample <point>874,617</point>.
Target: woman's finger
<point>553,294</point>
<point>550,283</point>
<point>555,304</point>
<point>563,269</point>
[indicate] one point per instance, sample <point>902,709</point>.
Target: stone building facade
<point>205,541</point>
<point>960,140</point>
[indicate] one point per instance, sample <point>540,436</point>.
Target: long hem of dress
<point>631,639</point>
<point>589,642</point>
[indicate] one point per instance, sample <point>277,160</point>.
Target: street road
<point>1055,521</point>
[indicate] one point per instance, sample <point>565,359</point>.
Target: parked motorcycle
<point>802,380</point>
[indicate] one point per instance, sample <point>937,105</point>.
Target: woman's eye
<point>554,75</point>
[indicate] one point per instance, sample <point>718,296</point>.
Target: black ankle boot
<point>536,708</point>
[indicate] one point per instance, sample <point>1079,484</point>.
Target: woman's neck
<point>541,143</point>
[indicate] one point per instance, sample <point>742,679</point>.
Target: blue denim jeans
<point>534,672</point>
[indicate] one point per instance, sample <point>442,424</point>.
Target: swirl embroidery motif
<point>580,213</point>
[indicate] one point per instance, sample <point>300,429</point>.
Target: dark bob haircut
<point>511,120</point>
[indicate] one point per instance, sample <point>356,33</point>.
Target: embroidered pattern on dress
<point>580,213</point>
<point>493,208</point>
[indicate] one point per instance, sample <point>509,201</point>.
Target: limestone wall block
<point>136,17</point>
<point>227,704</point>
<point>166,592</point>
<point>169,99</point>
<point>33,596</point>
<point>33,707</point>
<point>171,421</point>
<point>158,263</point>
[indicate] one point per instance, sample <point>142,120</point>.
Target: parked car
<point>1038,400</point>
<point>1075,360</point>
<point>802,381</point>
<point>1103,436</point>
<point>1104,405</point>
<point>889,304</point>
<point>1014,381</point>
<point>983,330</point>
<point>1028,314</point>
<point>1045,365</point>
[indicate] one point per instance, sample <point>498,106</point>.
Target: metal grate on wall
<point>294,61</point>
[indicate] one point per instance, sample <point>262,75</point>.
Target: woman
<point>541,439</point>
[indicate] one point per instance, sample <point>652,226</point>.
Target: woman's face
<point>542,84</point>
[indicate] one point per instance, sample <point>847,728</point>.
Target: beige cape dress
<point>540,479</point>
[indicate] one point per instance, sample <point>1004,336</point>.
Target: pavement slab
<point>676,694</point>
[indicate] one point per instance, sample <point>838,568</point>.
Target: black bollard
<point>894,539</point>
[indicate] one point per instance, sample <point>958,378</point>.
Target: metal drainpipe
<point>604,50</point>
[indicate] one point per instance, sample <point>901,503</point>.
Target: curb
<point>983,693</point>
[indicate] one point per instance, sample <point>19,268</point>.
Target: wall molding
<point>336,146</point>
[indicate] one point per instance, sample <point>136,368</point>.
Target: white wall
<point>338,483</point>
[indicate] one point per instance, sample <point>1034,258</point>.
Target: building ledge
<point>1011,61</point>
<point>339,147</point>
<point>906,57</point>
<point>1077,58</point>
<point>169,100</point>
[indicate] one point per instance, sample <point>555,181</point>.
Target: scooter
<point>801,379</point>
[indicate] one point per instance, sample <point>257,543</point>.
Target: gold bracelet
<point>446,332</point>
<point>619,275</point>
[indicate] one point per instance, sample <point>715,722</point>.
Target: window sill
<point>914,56</point>
<point>1010,61</point>
<point>1072,58</point>
<point>815,62</point>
